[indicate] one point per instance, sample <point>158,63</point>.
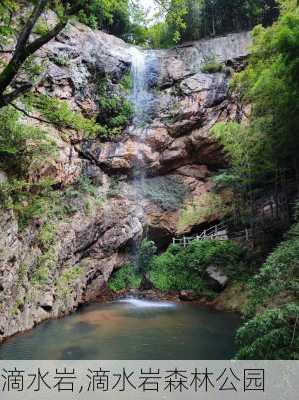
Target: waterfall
<point>144,75</point>
<point>143,63</point>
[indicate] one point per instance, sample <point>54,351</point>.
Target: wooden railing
<point>216,232</point>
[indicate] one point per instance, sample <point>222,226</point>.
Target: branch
<point>24,50</point>
<point>39,42</point>
<point>30,115</point>
<point>26,32</point>
<point>8,98</point>
<point>20,54</point>
<point>58,125</point>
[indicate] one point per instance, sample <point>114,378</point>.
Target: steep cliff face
<point>42,279</point>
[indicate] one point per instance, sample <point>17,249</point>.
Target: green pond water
<point>130,329</point>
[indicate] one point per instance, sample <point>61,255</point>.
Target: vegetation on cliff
<point>262,150</point>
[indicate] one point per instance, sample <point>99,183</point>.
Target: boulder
<point>217,280</point>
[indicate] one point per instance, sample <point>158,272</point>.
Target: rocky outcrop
<point>38,283</point>
<point>217,280</point>
<point>41,279</point>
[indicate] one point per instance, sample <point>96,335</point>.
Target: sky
<point>149,5</point>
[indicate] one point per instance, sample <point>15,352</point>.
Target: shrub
<point>59,113</point>
<point>211,66</point>
<point>271,331</point>
<point>21,144</point>
<point>66,280</point>
<point>124,278</point>
<point>278,275</point>
<point>146,252</point>
<point>62,60</point>
<point>115,109</point>
<point>47,234</point>
<point>270,335</point>
<point>183,268</point>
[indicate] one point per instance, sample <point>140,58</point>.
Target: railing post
<point>184,241</point>
<point>246,234</point>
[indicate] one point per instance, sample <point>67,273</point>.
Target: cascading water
<point>144,75</point>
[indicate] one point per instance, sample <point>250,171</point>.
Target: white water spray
<point>143,70</point>
<point>142,96</point>
<point>138,303</point>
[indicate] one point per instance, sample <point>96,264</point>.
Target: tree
<point>145,254</point>
<point>194,19</point>
<point>112,16</point>
<point>25,48</point>
<point>266,147</point>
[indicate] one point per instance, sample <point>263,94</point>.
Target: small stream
<point>130,329</point>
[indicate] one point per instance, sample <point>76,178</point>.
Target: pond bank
<point>232,299</point>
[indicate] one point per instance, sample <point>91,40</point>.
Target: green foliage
<point>126,82</point>
<point>7,7</point>
<point>108,15</point>
<point>40,201</point>
<point>268,143</point>
<point>21,145</point>
<point>61,60</point>
<point>114,188</point>
<point>41,27</point>
<point>167,192</point>
<point>46,263</point>
<point>183,268</point>
<point>146,253</point>
<point>115,109</point>
<point>124,278</point>
<point>47,234</point>
<point>187,20</point>
<point>271,335</point>
<point>60,114</point>
<point>211,66</point>
<point>273,310</point>
<point>278,275</point>
<point>201,210</point>
<point>65,281</point>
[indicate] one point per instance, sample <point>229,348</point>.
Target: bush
<point>146,253</point>
<point>124,278</point>
<point>59,113</point>
<point>278,275</point>
<point>211,66</point>
<point>270,335</point>
<point>21,145</point>
<point>115,109</point>
<point>271,332</point>
<point>183,268</point>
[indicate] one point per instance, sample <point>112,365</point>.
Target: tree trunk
<point>24,50</point>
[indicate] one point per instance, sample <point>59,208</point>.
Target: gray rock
<point>216,278</point>
<point>3,177</point>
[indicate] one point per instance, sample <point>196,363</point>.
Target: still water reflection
<point>130,329</point>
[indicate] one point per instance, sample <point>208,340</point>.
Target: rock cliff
<point>41,280</point>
